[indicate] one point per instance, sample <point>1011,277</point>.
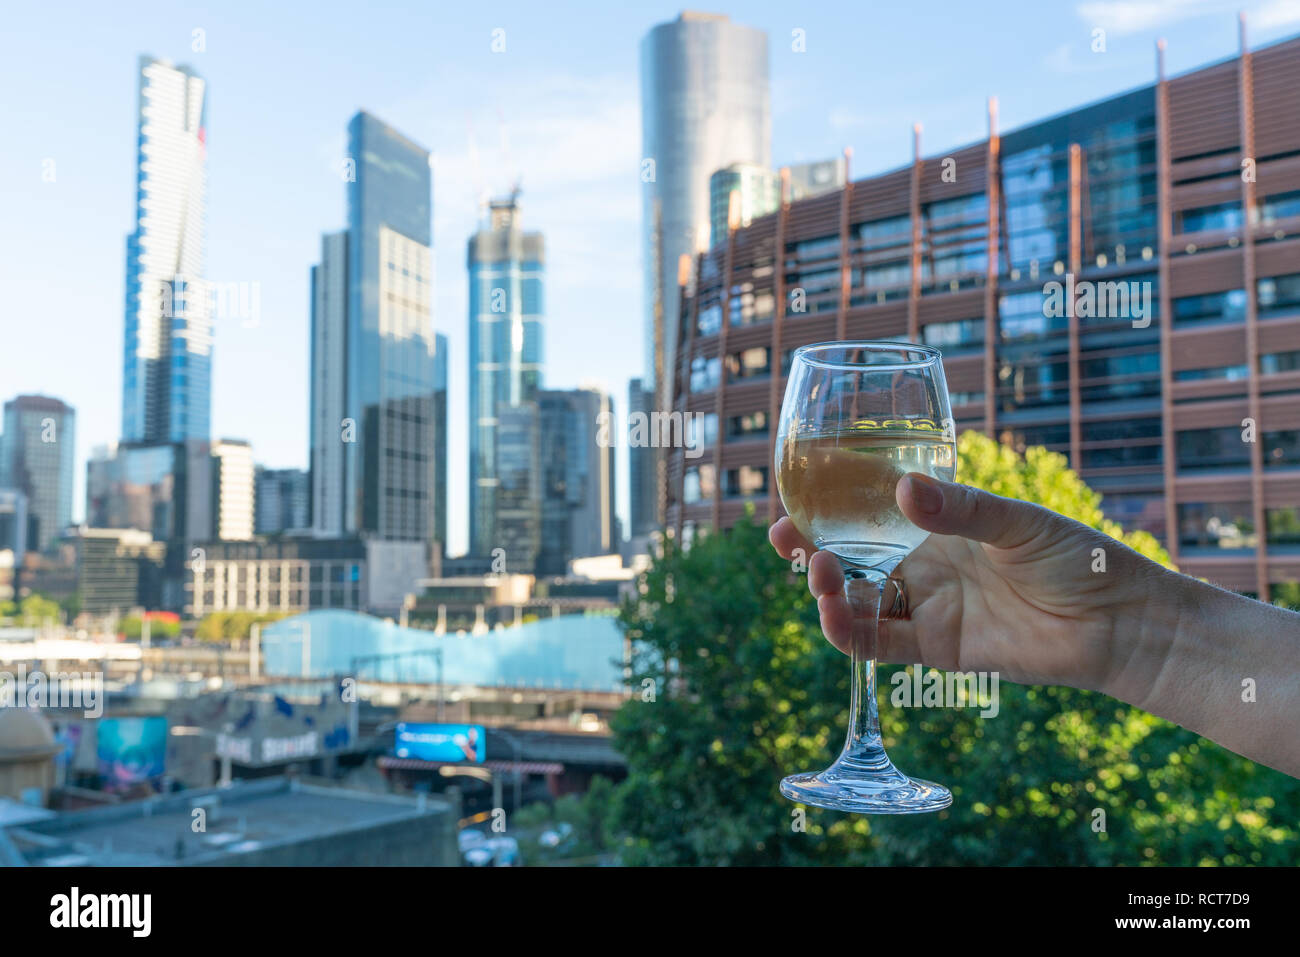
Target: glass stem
<point>863,749</point>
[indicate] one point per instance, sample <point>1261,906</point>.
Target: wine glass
<point>856,417</point>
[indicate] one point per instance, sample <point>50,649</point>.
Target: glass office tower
<point>577,478</point>
<point>37,448</point>
<point>376,444</point>
<point>167,369</point>
<point>705,104</point>
<point>506,309</point>
<point>642,482</point>
<point>758,191</point>
<point>328,428</point>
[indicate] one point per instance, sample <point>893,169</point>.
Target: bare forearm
<point>1216,663</point>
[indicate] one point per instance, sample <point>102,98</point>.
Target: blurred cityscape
<point>250,641</point>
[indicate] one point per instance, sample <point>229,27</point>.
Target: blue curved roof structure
<point>569,652</point>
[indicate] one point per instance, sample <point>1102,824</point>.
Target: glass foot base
<point>866,792</point>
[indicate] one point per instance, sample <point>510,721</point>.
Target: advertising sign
<point>133,749</point>
<point>457,743</point>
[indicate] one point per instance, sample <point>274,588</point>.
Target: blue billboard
<point>457,743</point>
<point>131,750</point>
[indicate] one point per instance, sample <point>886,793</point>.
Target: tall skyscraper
<point>517,488</point>
<point>232,491</point>
<point>506,267</point>
<point>328,428</point>
<point>167,369</point>
<point>705,104</point>
<point>37,449</point>
<point>439,409</point>
<point>376,444</point>
<point>577,478</point>
<point>641,462</point>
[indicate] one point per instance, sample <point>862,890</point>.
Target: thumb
<point>947,508</point>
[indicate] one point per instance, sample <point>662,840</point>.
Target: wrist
<point>1144,632</point>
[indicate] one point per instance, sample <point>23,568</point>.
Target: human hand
<point>999,585</point>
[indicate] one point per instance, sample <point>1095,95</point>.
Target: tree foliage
<point>587,838</point>
<point>734,687</point>
<point>133,628</point>
<point>228,625</point>
<point>32,611</point>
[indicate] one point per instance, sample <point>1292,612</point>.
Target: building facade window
<point>709,321</point>
<point>1279,295</point>
<point>697,484</point>
<point>1279,206</point>
<point>1216,525</point>
<point>1283,527</point>
<point>752,363</point>
<point>955,336</point>
<point>1232,373</point>
<point>1222,448</point>
<point>1211,218</point>
<point>747,426</point>
<point>702,429</point>
<point>1274,362</point>
<point>705,373</point>
<point>1227,306</point>
<point>1281,449</point>
<point>749,306</point>
<point>745,481</point>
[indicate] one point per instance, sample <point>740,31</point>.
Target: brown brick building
<point>1176,205</point>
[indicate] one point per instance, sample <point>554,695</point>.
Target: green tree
<point>587,816</point>
<point>229,625</point>
<point>210,627</point>
<point>37,609</point>
<point>1287,595</point>
<point>133,628</point>
<point>734,687</point>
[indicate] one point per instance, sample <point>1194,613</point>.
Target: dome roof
<point>23,730</point>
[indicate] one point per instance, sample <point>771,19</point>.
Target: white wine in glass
<point>856,418</point>
<point>838,487</point>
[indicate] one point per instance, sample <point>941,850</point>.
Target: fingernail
<point>926,493</point>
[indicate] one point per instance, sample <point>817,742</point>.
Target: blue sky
<point>557,110</point>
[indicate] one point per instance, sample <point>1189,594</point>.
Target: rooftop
<point>247,816</point>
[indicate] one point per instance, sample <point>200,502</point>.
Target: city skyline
<point>274,349</point>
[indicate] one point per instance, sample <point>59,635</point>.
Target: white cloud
<point>1134,16</point>
<point>1276,13</point>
